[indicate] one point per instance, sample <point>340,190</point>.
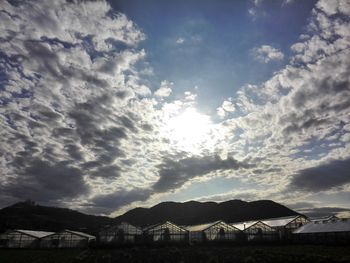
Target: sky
<point>110,105</point>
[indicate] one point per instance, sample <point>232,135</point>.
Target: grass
<point>38,256</point>
<point>200,254</point>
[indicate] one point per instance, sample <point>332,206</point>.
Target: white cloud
<point>256,10</point>
<point>221,112</point>
<point>164,90</point>
<point>287,2</point>
<point>267,53</point>
<point>67,114</point>
<point>90,118</point>
<point>252,12</point>
<point>333,7</point>
<point>303,107</point>
<point>180,40</point>
<point>257,2</point>
<point>227,106</point>
<point>189,96</point>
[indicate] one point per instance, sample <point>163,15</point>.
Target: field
<point>200,254</point>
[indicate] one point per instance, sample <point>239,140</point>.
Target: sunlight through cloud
<point>189,130</point>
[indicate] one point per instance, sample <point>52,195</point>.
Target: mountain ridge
<point>26,215</point>
<point>193,212</point>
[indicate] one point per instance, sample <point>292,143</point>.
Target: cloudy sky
<point>106,106</point>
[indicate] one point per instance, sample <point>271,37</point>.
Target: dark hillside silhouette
<point>192,212</point>
<point>27,215</point>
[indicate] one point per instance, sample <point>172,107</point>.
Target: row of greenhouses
<point>261,230</point>
<point>42,239</point>
<point>295,229</point>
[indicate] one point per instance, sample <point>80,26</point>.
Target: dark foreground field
<point>203,254</point>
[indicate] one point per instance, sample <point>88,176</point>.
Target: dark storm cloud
<point>317,105</point>
<point>123,94</point>
<point>66,94</point>
<point>147,127</point>
<point>110,171</point>
<point>63,132</point>
<point>324,86</point>
<point>74,151</point>
<point>173,174</point>
<point>104,142</point>
<point>111,202</point>
<point>323,177</point>
<point>44,181</point>
<point>48,62</point>
<point>304,122</point>
<point>128,123</point>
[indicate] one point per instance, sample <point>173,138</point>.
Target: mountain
<point>192,212</point>
<point>27,215</point>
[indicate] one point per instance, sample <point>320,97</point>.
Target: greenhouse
<point>290,222</point>
<point>166,232</point>
<point>22,238</point>
<point>121,233</point>
<point>286,225</point>
<point>257,231</point>
<point>324,232</point>
<point>67,239</point>
<point>325,219</point>
<point>217,231</point>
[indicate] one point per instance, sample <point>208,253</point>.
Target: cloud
<point>284,126</point>
<point>226,107</point>
<point>334,7</point>
<point>74,104</point>
<point>252,12</point>
<point>104,204</point>
<point>241,194</point>
<point>174,174</point>
<point>323,177</point>
<point>288,2</point>
<point>257,2</point>
<point>267,53</point>
<point>70,73</point>
<point>256,9</point>
<point>180,40</point>
<point>325,211</point>
<point>298,118</point>
<point>164,90</point>
<point>45,181</point>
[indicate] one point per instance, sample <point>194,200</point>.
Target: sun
<point>190,130</point>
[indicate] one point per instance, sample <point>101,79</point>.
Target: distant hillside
<point>190,213</point>
<point>25,215</point>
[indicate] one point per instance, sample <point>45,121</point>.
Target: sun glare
<point>189,130</point>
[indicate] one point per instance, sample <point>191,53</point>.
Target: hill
<point>192,212</point>
<point>26,215</point>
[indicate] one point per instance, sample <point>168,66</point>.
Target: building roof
<point>123,226</point>
<point>341,225</point>
<point>80,234</point>
<point>200,227</point>
<point>324,218</point>
<point>244,225</point>
<point>164,223</point>
<point>203,227</point>
<point>280,221</point>
<point>36,234</point>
